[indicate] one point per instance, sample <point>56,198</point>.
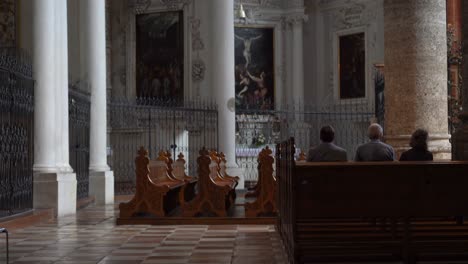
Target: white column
<point>288,100</point>
<point>297,60</point>
<point>61,70</point>
<point>223,80</point>
<point>43,54</point>
<point>54,187</point>
<point>101,182</point>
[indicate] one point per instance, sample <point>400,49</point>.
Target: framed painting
<point>7,23</point>
<point>254,69</point>
<point>352,66</point>
<point>160,55</point>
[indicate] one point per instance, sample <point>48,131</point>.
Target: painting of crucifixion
<point>254,69</point>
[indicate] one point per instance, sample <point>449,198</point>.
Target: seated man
<point>375,150</point>
<point>327,151</point>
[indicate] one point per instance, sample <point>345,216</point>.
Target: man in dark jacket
<point>327,150</point>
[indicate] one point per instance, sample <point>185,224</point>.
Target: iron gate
<point>79,120</point>
<point>179,127</point>
<point>16,133</point>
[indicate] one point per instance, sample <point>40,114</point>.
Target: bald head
<point>375,131</point>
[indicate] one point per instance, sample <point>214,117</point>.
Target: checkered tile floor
<point>92,237</point>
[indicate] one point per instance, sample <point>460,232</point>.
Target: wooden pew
<point>156,193</point>
<point>218,168</point>
<point>214,195</point>
<point>265,204</point>
<point>223,170</point>
<point>325,210</point>
<point>179,173</point>
<point>255,190</point>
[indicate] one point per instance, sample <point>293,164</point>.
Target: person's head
<point>419,139</point>
<point>327,134</point>
<point>262,75</point>
<point>375,132</point>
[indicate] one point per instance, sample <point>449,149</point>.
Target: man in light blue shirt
<point>375,150</point>
<point>327,151</point>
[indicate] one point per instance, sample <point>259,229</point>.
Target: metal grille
<point>180,127</point>
<point>259,128</point>
<point>79,120</point>
<point>16,133</point>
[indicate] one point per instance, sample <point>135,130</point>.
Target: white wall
<point>327,20</point>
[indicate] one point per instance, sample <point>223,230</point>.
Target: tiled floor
<point>93,237</point>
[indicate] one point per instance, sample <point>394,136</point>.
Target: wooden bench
<point>385,211</point>
<point>179,173</point>
<point>157,193</point>
<point>265,204</point>
<point>255,190</point>
<point>214,193</point>
<point>223,170</point>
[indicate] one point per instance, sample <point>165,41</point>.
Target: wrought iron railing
<point>79,121</point>
<point>259,128</point>
<point>16,133</point>
<point>180,127</point>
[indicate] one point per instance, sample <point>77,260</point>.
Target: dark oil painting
<point>254,69</point>
<point>352,66</point>
<point>160,55</point>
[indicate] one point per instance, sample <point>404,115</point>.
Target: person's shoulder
<point>340,149</point>
<point>362,146</point>
<point>387,145</point>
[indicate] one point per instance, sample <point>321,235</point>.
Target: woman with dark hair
<point>419,150</point>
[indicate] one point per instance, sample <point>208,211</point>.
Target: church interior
<point>233,131</point>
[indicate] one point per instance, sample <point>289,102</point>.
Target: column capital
<point>293,19</point>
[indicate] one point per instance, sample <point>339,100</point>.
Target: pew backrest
<point>179,170</point>
<point>158,168</point>
<point>214,169</point>
<point>381,189</point>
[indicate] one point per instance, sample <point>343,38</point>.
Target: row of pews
<point>382,211</point>
<point>163,188</point>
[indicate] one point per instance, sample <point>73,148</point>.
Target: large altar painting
<point>160,55</point>
<point>352,66</point>
<point>254,70</point>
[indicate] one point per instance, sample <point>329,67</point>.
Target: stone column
<point>460,138</point>
<point>223,79</point>
<point>101,178</point>
<point>416,73</point>
<point>297,60</point>
<point>54,183</point>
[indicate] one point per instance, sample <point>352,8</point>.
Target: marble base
<point>55,191</point>
<point>101,186</point>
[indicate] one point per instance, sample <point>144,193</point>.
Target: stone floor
<point>92,237</point>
